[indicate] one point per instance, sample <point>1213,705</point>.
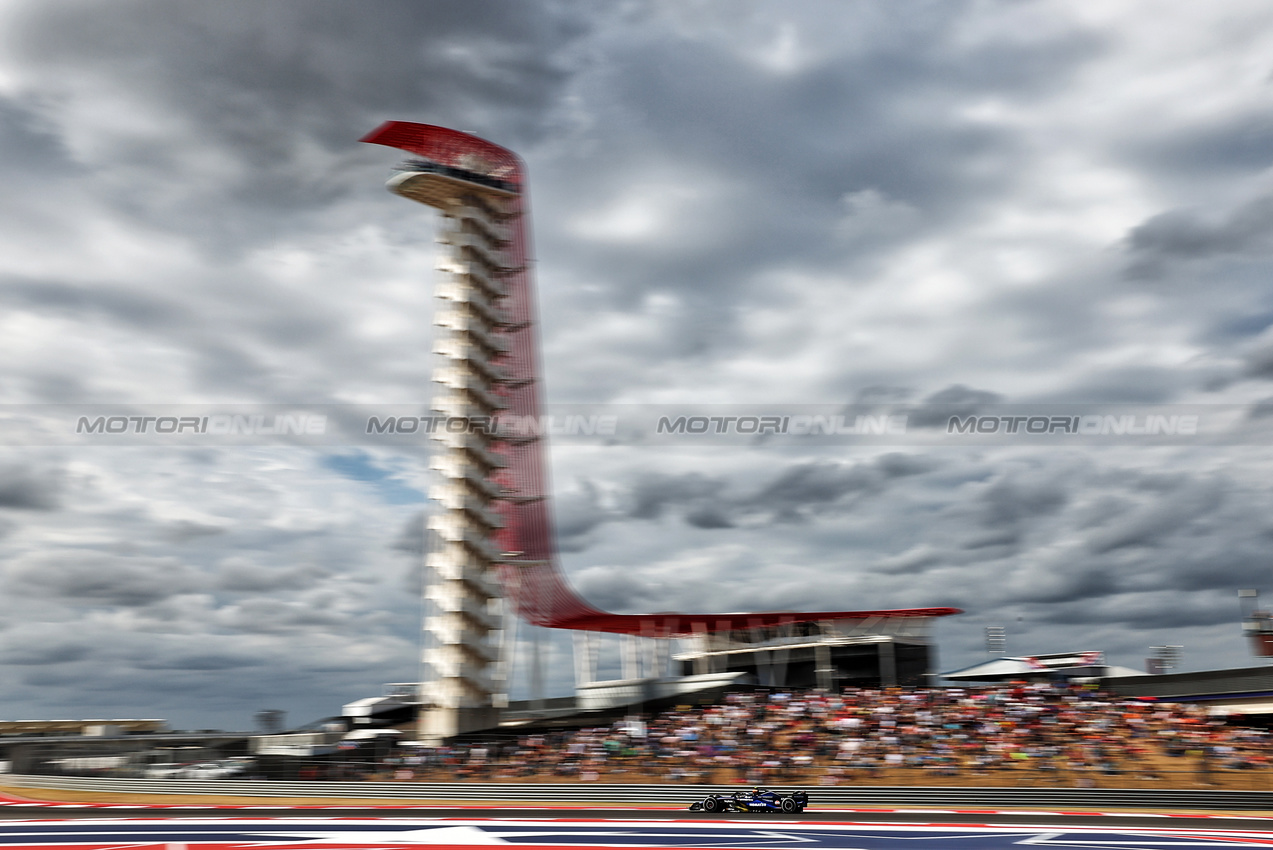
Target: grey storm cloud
<point>197,661</point>
<point>795,493</point>
<point>93,578</point>
<point>578,512</point>
<point>1228,146</point>
<point>1142,384</point>
<point>709,516</point>
<point>811,488</point>
<point>186,531</point>
<point>615,590</point>
<point>238,575</point>
<point>1180,235</point>
<point>284,89</point>
<point>1082,536</point>
<point>52,652</point>
<point>414,538</point>
<point>956,400</point>
<point>653,493</point>
<point>273,616</point>
<point>1145,613</point>
<point>1184,233</point>
<point>98,299</point>
<point>873,123</point>
<point>1260,364</point>
<point>1017,497</point>
<point>1165,514</point>
<point>26,488</point>
<point>733,202</point>
<point>914,561</point>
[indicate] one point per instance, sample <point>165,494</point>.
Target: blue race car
<point>757,800</point>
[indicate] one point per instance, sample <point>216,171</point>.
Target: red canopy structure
<point>532,580</point>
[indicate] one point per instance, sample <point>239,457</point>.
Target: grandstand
<point>1043,734</point>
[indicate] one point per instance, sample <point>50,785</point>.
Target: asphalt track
<point>45,811</point>
<point>580,834</point>
<point>189,825</point>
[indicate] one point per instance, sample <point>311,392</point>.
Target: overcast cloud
<point>734,202</point>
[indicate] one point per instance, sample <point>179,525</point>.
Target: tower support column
<point>465,682</point>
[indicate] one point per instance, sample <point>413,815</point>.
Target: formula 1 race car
<point>757,800</point>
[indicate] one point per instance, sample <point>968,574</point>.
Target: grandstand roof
<point>1089,663</point>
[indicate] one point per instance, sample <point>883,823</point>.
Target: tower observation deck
<point>495,535</point>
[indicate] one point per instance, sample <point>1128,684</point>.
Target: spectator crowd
<point>1043,733</point>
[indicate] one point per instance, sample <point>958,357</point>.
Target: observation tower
<point>495,546</point>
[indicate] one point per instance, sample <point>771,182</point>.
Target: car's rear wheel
<point>789,806</point>
<point>711,804</point>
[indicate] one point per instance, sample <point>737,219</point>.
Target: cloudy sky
<point>958,203</point>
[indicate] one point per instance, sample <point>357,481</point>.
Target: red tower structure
<point>521,551</point>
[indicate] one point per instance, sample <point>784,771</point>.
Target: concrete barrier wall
<point>670,795</point>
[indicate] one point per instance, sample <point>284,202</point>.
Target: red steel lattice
<point>533,582</point>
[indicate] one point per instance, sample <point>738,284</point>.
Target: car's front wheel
<point>711,804</point>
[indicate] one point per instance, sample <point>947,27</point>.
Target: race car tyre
<point>711,804</point>
<point>789,806</point>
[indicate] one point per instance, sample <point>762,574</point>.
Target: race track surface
<point>188,825</point>
<point>557,834</point>
<point>19,811</point>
